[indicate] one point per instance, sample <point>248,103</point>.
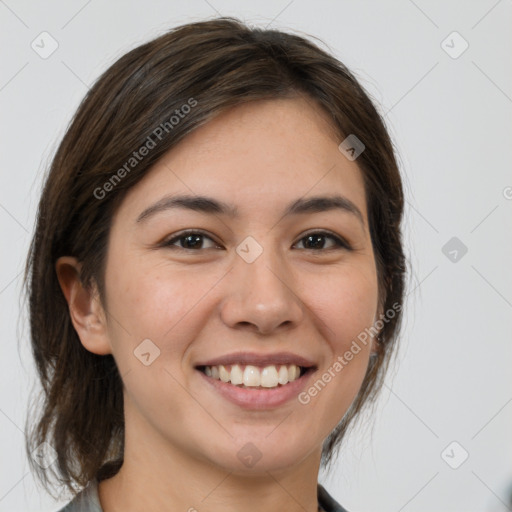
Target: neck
<point>159,476</point>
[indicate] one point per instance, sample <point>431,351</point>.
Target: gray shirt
<point>88,500</point>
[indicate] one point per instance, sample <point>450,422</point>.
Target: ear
<point>85,309</point>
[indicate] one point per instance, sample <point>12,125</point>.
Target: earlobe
<point>85,309</point>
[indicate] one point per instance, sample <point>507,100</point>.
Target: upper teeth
<point>268,376</point>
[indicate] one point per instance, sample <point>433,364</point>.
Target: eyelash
<point>340,242</point>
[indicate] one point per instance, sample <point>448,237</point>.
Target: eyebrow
<point>208,205</point>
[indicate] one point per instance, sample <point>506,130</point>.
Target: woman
<point>216,276</point>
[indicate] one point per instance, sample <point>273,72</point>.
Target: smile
<point>255,387</point>
<point>245,376</point>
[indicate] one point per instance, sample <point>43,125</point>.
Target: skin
<point>182,437</point>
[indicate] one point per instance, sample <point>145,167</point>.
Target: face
<point>253,288</point>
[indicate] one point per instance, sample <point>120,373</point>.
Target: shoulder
<point>86,500</point>
<point>327,502</point>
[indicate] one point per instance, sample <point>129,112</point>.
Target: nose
<point>261,296</point>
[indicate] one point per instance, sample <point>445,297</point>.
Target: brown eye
<point>189,240</point>
<point>316,241</point>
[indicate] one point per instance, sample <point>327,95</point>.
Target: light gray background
<point>451,122</point>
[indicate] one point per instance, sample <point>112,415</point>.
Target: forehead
<point>257,156</point>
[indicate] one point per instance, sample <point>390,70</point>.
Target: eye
<point>191,240</point>
<point>316,240</point>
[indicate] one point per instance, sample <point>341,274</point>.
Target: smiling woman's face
<point>246,285</point>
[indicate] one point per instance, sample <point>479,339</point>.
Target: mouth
<point>254,381</point>
<point>253,376</point>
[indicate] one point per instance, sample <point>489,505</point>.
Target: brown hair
<point>212,65</point>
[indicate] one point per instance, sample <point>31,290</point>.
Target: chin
<point>252,455</point>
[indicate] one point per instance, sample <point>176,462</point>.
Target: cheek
<point>160,304</point>
<point>148,299</point>
<point>156,302</point>
<point>346,303</point>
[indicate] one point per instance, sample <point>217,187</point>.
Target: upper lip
<point>258,359</point>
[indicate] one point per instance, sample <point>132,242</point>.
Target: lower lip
<point>259,398</point>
